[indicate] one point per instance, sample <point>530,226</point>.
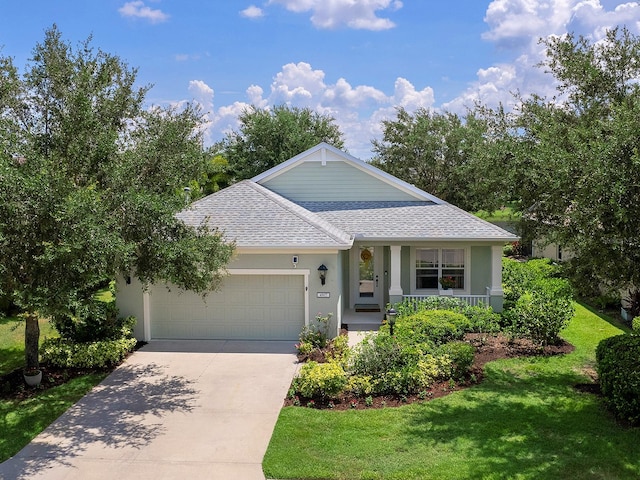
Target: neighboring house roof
<point>407,221</point>
<point>256,217</point>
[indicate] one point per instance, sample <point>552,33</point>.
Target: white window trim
<point>434,291</point>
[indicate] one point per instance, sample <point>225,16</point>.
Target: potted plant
<point>447,284</point>
<point>32,376</point>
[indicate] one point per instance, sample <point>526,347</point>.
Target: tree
<point>90,183</point>
<point>579,156</point>
<point>268,137</point>
<point>440,153</point>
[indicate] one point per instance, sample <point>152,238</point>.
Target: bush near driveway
<point>321,380</point>
<point>79,347</point>
<point>63,353</point>
<point>419,353</point>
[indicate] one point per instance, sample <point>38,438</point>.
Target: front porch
<point>385,274</point>
<point>361,320</point>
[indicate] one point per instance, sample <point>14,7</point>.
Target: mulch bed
<point>488,348</point>
<point>12,385</point>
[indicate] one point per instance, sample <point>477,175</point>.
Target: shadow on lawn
<point>116,414</point>
<point>535,427</point>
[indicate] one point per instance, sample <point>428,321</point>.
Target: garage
<point>247,307</point>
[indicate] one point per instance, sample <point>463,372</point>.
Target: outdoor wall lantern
<point>322,270</point>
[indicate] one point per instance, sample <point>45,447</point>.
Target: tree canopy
<point>268,137</point>
<point>90,183</point>
<point>440,153</point>
<point>574,159</point>
<point>570,164</point>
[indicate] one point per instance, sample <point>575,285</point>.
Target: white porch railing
<point>473,300</point>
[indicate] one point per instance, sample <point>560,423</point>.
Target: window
<point>427,267</point>
<point>433,263</point>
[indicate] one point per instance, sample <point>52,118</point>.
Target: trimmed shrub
<point>461,356</point>
<point>540,316</point>
<point>521,277</point>
<point>432,327</point>
<point>378,354</point>
<point>324,380</point>
<point>65,353</point>
<point>411,306</point>
<point>413,377</point>
<point>360,385</point>
<point>618,367</point>
<point>482,318</point>
<point>92,321</point>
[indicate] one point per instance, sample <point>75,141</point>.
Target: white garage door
<point>247,307</point>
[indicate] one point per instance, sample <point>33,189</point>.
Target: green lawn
<point>525,421</point>
<point>506,214</point>
<point>22,420</point>
<point>12,342</point>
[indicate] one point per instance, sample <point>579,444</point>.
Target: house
<point>323,232</point>
<point>554,251</point>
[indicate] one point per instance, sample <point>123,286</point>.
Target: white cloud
<point>516,26</point>
<point>202,93</point>
<point>137,9</point>
<point>356,14</point>
<point>252,12</point>
<point>358,110</point>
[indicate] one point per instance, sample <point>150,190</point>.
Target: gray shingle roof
<point>256,217</point>
<point>420,220</point>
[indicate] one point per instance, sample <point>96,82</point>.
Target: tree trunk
<point>31,340</point>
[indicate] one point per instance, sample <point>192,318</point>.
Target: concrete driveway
<point>174,409</point>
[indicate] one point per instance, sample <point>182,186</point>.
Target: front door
<point>366,271</point>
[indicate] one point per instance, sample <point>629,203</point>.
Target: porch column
<point>495,289</point>
<point>395,288</point>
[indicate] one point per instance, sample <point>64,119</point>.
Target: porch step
<point>363,327</point>
<point>367,308</point>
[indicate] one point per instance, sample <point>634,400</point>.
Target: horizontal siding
<point>335,181</point>
<point>247,307</point>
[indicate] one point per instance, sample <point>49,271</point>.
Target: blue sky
<point>353,59</point>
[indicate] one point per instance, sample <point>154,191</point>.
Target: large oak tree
<point>90,183</point>
<point>573,161</point>
<point>441,153</point>
<point>268,137</point>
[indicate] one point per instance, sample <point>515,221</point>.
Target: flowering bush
<point>447,282</point>
<point>317,334</point>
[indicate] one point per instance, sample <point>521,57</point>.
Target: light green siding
<point>334,181</point>
<point>480,270</point>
